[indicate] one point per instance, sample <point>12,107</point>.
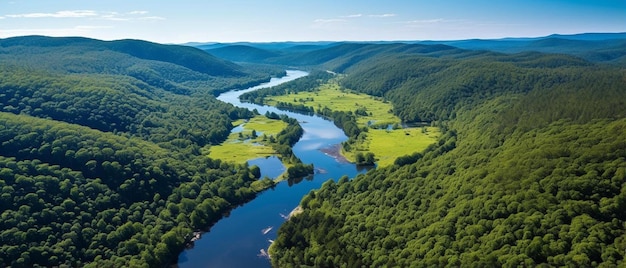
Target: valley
<point>487,153</point>
<point>385,137</point>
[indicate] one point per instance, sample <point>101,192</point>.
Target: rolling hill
<point>101,164</point>
<point>100,150</point>
<point>529,172</point>
<point>179,69</point>
<point>193,59</point>
<point>595,47</point>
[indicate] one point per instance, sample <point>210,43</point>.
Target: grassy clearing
<point>241,147</point>
<point>387,145</point>
<point>331,95</point>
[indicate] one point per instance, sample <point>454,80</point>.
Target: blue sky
<point>313,20</point>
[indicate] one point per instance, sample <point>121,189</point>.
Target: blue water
<point>237,240</point>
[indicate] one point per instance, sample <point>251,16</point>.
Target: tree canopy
<point>100,150</point>
<point>530,170</point>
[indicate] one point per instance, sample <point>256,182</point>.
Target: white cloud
<point>329,24</point>
<point>353,16</point>
<point>58,14</point>
<point>130,16</point>
<point>112,16</point>
<point>138,12</point>
<point>383,15</point>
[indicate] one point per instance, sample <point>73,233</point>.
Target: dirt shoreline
<point>334,151</point>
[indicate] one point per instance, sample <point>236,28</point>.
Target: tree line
<point>100,151</point>
<point>530,170</point>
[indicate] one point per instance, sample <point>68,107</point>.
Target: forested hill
<point>530,170</point>
<point>179,69</point>
<point>335,56</point>
<point>100,150</point>
<point>188,57</point>
<point>594,47</point>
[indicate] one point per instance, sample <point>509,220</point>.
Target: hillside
<point>529,171</point>
<point>100,150</point>
<point>424,88</point>
<point>594,47</point>
<point>193,59</point>
<point>179,69</point>
<point>102,164</point>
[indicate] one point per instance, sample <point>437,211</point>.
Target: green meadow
<point>387,145</point>
<point>331,95</point>
<point>242,146</point>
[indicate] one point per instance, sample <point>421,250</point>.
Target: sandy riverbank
<point>334,151</point>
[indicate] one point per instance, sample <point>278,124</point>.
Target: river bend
<point>239,239</point>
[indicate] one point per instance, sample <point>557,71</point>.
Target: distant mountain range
<point>596,47</point>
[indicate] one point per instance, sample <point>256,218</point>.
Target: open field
<point>387,145</point>
<point>330,95</point>
<point>241,148</point>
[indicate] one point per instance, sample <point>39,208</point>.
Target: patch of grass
<point>331,95</point>
<point>264,125</point>
<point>241,147</point>
<point>387,145</point>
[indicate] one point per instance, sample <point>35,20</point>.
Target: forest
<point>530,169</point>
<point>100,150</point>
<point>102,163</point>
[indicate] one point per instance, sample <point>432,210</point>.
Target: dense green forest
<point>530,169</point>
<point>101,160</point>
<point>100,150</point>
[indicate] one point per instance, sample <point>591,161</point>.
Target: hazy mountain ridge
<point>597,47</point>
<point>242,53</point>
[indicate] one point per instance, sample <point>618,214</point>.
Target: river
<point>237,240</point>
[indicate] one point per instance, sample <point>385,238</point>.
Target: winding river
<point>239,239</point>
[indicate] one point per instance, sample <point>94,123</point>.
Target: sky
<point>184,21</point>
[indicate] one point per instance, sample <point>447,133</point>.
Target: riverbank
<point>389,144</point>
<point>385,137</point>
<point>236,239</point>
<point>335,152</point>
<point>370,110</point>
<point>294,212</point>
<point>248,140</point>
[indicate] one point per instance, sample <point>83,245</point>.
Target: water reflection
<point>238,239</point>
<point>291,181</point>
